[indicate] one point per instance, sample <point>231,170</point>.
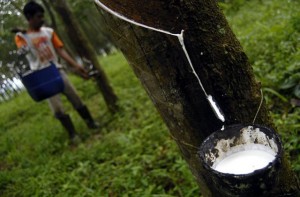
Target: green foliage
<point>296,22</point>
<point>266,30</point>
<point>231,5</point>
<point>131,155</point>
<point>10,17</point>
<point>292,83</point>
<point>269,32</point>
<point>289,128</point>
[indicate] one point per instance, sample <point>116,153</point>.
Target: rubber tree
<point>161,64</point>
<point>85,49</point>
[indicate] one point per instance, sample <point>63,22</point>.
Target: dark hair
<point>31,8</point>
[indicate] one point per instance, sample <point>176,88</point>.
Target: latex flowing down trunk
<point>84,49</point>
<point>161,63</point>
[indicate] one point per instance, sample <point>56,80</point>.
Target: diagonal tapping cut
<point>214,105</point>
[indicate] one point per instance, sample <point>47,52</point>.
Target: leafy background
<point>132,154</point>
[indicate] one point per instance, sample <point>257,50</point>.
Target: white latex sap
<point>244,162</point>
<point>218,112</point>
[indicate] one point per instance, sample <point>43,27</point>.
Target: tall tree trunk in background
<point>51,14</point>
<point>68,46</point>
<point>160,63</point>
<point>84,49</point>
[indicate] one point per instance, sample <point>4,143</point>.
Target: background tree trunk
<point>51,14</point>
<point>162,67</point>
<point>84,49</point>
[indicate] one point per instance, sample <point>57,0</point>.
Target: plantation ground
<point>132,154</point>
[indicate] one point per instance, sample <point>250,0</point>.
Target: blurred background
<point>133,154</point>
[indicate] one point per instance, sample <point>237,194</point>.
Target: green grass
<point>269,31</point>
<point>132,154</point>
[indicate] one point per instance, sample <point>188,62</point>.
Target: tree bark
<point>51,14</point>
<point>161,65</point>
<point>84,49</point>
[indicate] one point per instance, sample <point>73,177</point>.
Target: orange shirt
<point>42,45</point>
<point>57,43</point>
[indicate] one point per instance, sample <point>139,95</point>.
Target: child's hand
<point>81,71</point>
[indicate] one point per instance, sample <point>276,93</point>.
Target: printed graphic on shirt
<point>44,52</point>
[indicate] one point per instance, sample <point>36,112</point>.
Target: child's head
<point>31,8</point>
<point>34,14</point>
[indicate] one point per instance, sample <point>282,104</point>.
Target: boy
<point>45,46</point>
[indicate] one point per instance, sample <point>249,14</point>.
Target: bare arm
<point>78,68</point>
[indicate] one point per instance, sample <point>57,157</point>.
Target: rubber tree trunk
<point>161,65</point>
<point>85,49</point>
<point>53,24</point>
